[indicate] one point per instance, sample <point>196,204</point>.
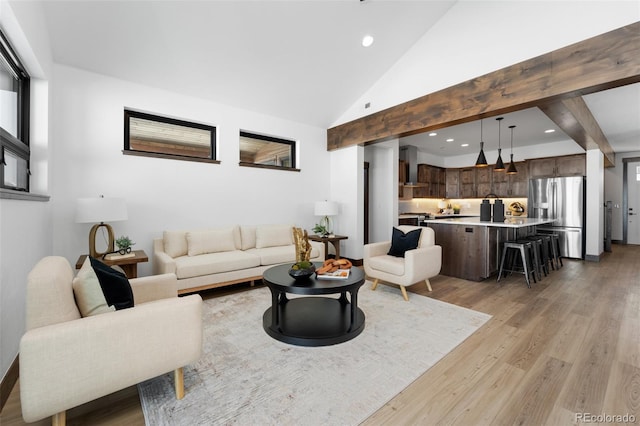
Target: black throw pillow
<point>401,242</point>
<point>115,285</point>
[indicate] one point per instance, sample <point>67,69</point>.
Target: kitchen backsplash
<point>467,206</point>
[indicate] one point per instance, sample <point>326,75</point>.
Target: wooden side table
<point>335,240</point>
<point>128,264</point>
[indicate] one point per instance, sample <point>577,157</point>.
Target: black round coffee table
<point>313,321</point>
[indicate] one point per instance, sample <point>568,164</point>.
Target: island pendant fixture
<point>511,170</point>
<point>499,163</point>
<point>482,160</point>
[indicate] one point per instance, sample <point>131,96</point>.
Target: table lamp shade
<point>100,209</point>
<point>326,208</point>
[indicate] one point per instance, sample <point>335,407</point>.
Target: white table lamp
<point>100,209</point>
<point>326,209</point>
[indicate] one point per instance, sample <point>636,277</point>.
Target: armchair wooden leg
<point>375,284</point>
<point>428,284</point>
<point>404,293</point>
<point>178,377</point>
<point>59,419</point>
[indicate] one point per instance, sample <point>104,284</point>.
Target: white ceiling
<point>299,60</point>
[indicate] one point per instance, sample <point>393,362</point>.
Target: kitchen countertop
<point>511,222</point>
<point>436,216</point>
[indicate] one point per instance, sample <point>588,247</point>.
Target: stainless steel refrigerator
<point>563,199</point>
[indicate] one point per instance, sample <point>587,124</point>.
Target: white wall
<point>170,194</point>
<point>25,226</point>
<point>613,177</point>
<point>346,183</point>
<point>595,204</point>
<point>383,177</point>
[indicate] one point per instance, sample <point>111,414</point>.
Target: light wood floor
<point>570,344</point>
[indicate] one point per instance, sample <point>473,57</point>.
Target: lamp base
<point>93,252</point>
<point>326,222</point>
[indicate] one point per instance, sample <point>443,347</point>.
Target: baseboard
<point>593,258</point>
<point>9,381</point>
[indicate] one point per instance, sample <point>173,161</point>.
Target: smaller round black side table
<point>313,321</point>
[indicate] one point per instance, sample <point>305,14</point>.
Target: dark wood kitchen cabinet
<point>468,183</point>
<point>452,182</point>
<point>431,182</point>
<point>484,181</point>
<point>566,165</point>
<point>519,183</point>
<point>468,252</point>
<point>507,186</point>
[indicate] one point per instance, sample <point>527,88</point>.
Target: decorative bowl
<point>301,274</point>
<point>516,208</point>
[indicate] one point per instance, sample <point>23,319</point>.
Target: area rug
<point>247,378</point>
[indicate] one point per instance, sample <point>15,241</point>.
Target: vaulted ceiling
<point>299,60</point>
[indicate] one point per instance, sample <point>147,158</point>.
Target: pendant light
<point>482,160</point>
<point>499,163</point>
<point>511,170</point>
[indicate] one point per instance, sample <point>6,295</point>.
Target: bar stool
<point>554,250</point>
<point>512,249</point>
<point>556,246</point>
<point>542,251</point>
<point>534,254</point>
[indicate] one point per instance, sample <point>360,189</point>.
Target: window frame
<point>131,113</point>
<point>291,143</point>
<point>17,145</point>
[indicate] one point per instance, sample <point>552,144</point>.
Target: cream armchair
<point>419,264</point>
<point>66,360</point>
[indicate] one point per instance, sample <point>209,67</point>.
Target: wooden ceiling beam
<point>574,117</point>
<point>599,63</point>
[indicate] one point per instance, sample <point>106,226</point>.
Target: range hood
<point>409,154</point>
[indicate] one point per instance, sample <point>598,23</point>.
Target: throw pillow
<point>211,241</point>
<point>88,293</point>
<point>115,285</point>
<point>274,235</point>
<point>175,243</point>
<point>401,242</point>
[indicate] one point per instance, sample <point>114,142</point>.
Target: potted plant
<point>321,230</point>
<point>124,244</point>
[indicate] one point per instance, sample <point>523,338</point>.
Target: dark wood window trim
<point>168,156</point>
<point>266,166</point>
<point>128,114</point>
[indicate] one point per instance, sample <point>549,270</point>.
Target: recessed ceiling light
<point>433,134</point>
<point>450,140</point>
<point>367,40</point>
<point>550,130</point>
<point>465,144</point>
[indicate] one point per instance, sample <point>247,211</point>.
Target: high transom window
<point>266,151</point>
<point>156,136</point>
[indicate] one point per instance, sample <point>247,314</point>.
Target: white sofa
<point>215,257</point>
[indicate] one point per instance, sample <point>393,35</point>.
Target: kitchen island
<point>471,248</point>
